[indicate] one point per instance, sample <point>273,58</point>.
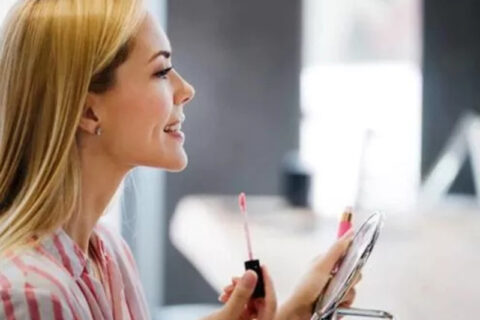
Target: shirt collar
<point>65,251</point>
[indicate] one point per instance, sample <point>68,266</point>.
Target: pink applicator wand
<point>251,264</point>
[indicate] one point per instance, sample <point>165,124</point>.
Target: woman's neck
<point>100,180</point>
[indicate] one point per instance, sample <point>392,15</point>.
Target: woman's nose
<point>184,92</point>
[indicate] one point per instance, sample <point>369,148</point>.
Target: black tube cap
<point>254,265</point>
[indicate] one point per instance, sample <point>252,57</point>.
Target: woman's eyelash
<point>163,73</point>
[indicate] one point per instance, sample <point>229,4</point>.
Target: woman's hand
<point>238,302</point>
<point>299,305</point>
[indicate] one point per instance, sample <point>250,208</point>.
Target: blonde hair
<point>52,53</point>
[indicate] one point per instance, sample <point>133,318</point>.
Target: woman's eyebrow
<point>162,53</point>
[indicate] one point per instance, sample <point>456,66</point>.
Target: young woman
<point>87,93</point>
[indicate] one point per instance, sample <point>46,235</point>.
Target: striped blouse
<point>55,280</point>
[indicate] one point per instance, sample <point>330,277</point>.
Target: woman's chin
<point>178,168</point>
<point>175,162</point>
<point>177,165</point>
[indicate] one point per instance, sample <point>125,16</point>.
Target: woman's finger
<point>235,280</point>
<point>260,308</point>
<point>336,252</point>
<point>252,310</point>
<point>227,292</point>
<point>349,298</point>
<point>357,279</point>
<point>223,298</point>
<point>266,307</point>
<point>228,288</point>
<point>242,293</point>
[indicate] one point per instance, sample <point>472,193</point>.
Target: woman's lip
<point>179,135</point>
<point>175,123</point>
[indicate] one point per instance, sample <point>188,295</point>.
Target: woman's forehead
<point>150,38</point>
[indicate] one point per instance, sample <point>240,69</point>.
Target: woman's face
<point>142,114</point>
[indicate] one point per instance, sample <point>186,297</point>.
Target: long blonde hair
<point>52,53</point>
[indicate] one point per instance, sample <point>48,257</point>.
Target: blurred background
<point>319,104</point>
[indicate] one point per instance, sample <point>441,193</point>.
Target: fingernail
<point>249,279</point>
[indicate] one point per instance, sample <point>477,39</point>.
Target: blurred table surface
<point>424,266</point>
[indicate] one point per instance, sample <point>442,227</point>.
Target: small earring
<point>98,131</point>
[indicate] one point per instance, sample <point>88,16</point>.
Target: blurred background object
<point>451,82</point>
<point>296,182</point>
<point>368,93</point>
<point>361,102</point>
<point>463,144</point>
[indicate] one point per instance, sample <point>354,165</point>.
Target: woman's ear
<point>89,121</point>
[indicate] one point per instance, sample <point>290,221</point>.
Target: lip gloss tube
<point>251,263</point>
<point>343,227</point>
<point>254,265</point>
<point>345,222</point>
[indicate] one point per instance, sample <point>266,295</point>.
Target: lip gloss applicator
<point>251,263</point>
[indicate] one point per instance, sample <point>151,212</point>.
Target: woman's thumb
<point>241,295</point>
<point>337,251</point>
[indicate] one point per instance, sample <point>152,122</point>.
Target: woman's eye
<point>163,73</point>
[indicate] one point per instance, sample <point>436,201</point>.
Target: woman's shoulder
<point>28,278</point>
<point>31,264</point>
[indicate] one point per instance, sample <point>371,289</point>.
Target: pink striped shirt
<point>55,280</point>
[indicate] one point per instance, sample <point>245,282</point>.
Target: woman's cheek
<point>162,113</point>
